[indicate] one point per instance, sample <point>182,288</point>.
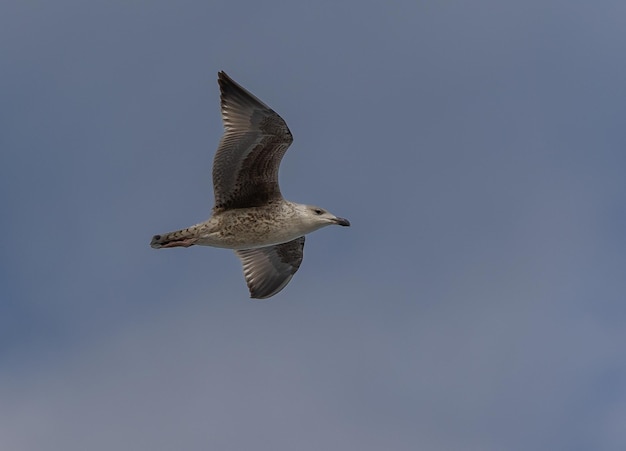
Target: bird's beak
<point>342,222</point>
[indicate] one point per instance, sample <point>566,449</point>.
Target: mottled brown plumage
<point>250,214</point>
<point>245,168</point>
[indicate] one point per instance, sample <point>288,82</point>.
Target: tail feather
<point>179,238</point>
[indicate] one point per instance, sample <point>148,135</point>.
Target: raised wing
<point>245,168</point>
<point>269,269</point>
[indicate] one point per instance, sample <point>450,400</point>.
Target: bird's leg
<point>180,243</point>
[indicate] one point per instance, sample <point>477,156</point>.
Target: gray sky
<point>477,302</point>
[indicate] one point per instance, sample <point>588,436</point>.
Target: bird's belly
<point>248,232</point>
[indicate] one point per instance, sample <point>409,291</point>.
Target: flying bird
<point>250,214</point>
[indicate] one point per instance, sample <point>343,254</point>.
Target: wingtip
<point>223,80</point>
<point>227,84</point>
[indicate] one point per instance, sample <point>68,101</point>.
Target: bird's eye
<point>318,211</point>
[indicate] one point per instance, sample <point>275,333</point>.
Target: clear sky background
<point>478,302</point>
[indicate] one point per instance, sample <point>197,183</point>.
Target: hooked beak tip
<point>342,222</point>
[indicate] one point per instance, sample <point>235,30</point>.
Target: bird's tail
<point>184,237</point>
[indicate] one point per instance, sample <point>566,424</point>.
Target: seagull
<point>250,214</point>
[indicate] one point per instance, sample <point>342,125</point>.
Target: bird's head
<point>317,217</point>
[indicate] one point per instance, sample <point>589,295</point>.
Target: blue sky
<point>476,303</point>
